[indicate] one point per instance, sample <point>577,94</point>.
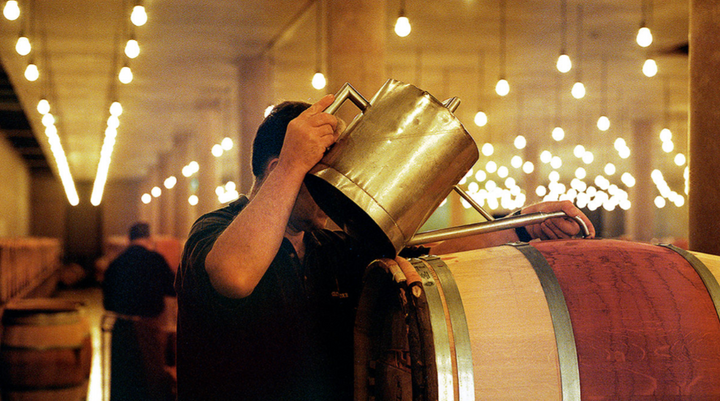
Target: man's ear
<point>271,165</point>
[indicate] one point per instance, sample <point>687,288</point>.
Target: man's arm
<point>554,228</point>
<point>560,227</point>
<point>243,252</point>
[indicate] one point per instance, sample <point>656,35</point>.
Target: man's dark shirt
<point>136,283</point>
<point>291,339</point>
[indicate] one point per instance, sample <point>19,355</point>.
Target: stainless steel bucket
<point>393,166</point>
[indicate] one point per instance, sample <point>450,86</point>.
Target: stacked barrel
<point>25,263</point>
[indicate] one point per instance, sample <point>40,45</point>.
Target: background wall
<point>14,192</point>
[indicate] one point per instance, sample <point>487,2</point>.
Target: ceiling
<point>190,52</point>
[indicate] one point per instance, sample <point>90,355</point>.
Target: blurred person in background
<point>134,290</point>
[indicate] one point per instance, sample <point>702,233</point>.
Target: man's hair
<point>139,230</point>
<point>271,134</point>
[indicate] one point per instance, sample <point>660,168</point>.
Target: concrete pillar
<point>153,216</point>
<point>208,134</point>
<point>704,132</point>
<point>356,36</point>
<point>640,222</point>
<point>256,94</point>
<point>144,210</point>
<point>184,213</point>
<point>531,154</point>
<point>167,200</point>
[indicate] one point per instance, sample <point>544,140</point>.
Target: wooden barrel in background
<point>552,320</point>
<point>46,351</point>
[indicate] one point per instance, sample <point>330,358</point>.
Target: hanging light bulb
<point>23,46</point>
<point>502,87</point>
<point>125,76</point>
<point>481,119</point>
<point>545,156</point>
<point>579,151</point>
<point>51,131</point>
<point>603,123</point>
<point>217,150</point>
<point>43,106</point>
<point>564,64</point>
<point>116,109</point>
<point>644,36</point>
<point>610,169</point>
<point>31,72</point>
<point>11,11</point>
<point>113,122</point>
<point>680,159</point>
<point>170,182</point>
<point>578,90</point>
<point>487,149</point>
<point>48,120</point>
<point>402,26</point>
<point>318,81</point>
<point>132,48</point>
<point>138,16</point>
<point>650,68</point>
<point>665,135</point>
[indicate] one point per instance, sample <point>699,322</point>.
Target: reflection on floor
<point>91,298</point>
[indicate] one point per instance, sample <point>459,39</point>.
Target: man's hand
<point>559,227</point>
<point>309,135</point>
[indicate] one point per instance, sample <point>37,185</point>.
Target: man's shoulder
<point>206,230</point>
<point>136,252</point>
<point>219,217</point>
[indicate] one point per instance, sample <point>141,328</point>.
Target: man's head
<point>139,231</point>
<point>271,134</point>
<point>140,235</point>
<point>306,215</point>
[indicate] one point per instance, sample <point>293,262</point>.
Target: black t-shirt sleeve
<point>192,281</point>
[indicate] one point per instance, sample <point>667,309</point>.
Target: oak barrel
<point>46,351</point>
<point>551,320</point>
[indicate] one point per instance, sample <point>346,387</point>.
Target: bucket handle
<point>452,103</point>
<point>345,93</point>
<point>348,92</point>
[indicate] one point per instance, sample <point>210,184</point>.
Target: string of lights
<point>24,47</point>
<point>138,17</point>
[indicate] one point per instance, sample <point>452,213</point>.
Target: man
<point>134,290</point>
<point>266,297</point>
